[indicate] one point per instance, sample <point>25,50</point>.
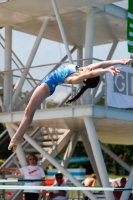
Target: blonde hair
<point>93,176</point>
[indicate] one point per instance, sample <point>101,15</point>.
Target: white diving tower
<point>80,24</point>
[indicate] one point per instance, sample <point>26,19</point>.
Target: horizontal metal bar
<point>21,181</point>
<point>114,10</point>
<point>46,65</point>
<point>14,187</point>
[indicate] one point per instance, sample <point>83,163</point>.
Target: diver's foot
<point>14,142</point>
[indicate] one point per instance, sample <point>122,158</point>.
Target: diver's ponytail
<point>89,83</point>
<point>82,90</point>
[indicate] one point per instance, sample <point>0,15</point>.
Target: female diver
<point>70,74</point>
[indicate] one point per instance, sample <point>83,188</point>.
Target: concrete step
<point>53,131</point>
<point>46,144</point>
<point>32,150</point>
<point>47,137</point>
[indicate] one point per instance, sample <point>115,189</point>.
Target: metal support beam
<point>109,58</point>
<point>94,91</point>
<point>64,59</point>
<point>2,104</point>
<point>89,35</point>
<point>129,184</point>
<point>18,62</point>
<point>30,59</point>
<point>111,52</point>
<point>19,151</point>
<point>115,157</point>
<point>57,165</point>
<point>62,34</point>
<point>99,96</point>
<point>61,61</point>
<point>80,63</point>
<point>25,99</point>
<point>3,133</point>
<point>7,67</point>
<point>98,155</point>
<point>90,155</point>
<point>62,30</point>
<point>70,149</point>
<point>80,56</point>
<point>89,42</point>
<point>64,100</point>
<point>114,10</point>
<point>54,151</point>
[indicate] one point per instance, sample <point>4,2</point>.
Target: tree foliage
<point>123,152</point>
<point>4,153</point>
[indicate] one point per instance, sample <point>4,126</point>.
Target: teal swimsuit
<point>58,76</point>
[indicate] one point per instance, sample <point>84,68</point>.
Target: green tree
<point>122,151</point>
<point>4,153</point>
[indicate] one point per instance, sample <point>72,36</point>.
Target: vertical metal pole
<point>62,30</point>
<point>19,151</point>
<point>63,35</point>
<point>80,56</point>
<point>7,66</point>
<point>30,59</point>
<point>80,63</point>
<point>98,155</point>
<point>89,35</point>
<point>63,59</point>
<point>89,41</point>
<point>90,155</point>
<point>78,195</point>
<point>70,149</point>
<point>111,52</point>
<point>10,108</point>
<point>108,58</point>
<point>129,184</point>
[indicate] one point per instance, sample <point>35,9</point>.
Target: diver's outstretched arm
<point>108,63</point>
<point>91,74</point>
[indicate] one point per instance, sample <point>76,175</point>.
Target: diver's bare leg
<point>40,93</point>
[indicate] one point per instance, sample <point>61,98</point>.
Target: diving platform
<point>109,122</point>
